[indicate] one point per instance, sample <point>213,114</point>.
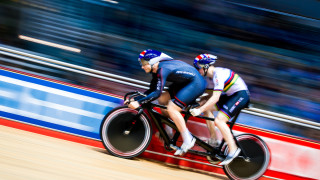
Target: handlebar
<point>131,95</point>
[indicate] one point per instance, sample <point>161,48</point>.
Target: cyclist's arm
<point>162,75</point>
<point>211,102</point>
<point>152,87</point>
<point>218,82</point>
<point>153,84</point>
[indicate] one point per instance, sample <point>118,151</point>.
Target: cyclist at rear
<point>228,96</point>
<point>187,85</point>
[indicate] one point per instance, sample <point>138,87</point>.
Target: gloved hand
<point>134,105</point>
<point>195,112</point>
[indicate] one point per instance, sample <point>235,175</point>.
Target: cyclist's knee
<point>172,107</point>
<point>221,118</point>
<point>208,114</point>
<point>164,98</point>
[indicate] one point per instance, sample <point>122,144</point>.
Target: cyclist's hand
<point>126,102</point>
<point>195,112</point>
<point>134,105</point>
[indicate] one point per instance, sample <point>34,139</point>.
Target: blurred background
<point>273,45</point>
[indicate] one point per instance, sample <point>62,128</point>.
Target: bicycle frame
<point>159,119</point>
<point>126,133</point>
<point>170,144</point>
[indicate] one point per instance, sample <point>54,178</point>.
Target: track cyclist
<point>187,85</point>
<point>228,96</point>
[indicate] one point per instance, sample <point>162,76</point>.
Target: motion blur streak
<point>110,1</point>
<point>268,43</point>
<point>49,43</point>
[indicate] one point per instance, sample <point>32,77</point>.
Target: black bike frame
<point>159,119</point>
<point>252,166</point>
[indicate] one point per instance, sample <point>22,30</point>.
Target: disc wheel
<point>253,160</point>
<point>124,134</point>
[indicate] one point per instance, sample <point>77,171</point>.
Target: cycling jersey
<point>187,83</point>
<point>235,94</point>
<point>227,81</point>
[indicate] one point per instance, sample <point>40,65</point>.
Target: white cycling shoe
<point>185,147</point>
<point>230,157</point>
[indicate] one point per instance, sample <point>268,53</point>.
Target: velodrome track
<point>26,155</point>
<point>66,111</point>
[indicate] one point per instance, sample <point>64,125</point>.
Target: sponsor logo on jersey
<point>159,85</point>
<point>225,107</point>
<point>236,104</point>
<point>185,72</point>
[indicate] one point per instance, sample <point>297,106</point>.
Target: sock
<point>186,136</point>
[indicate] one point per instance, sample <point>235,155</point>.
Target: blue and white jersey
<point>175,71</point>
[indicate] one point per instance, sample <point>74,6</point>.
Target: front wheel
<point>124,134</point>
<point>253,160</point>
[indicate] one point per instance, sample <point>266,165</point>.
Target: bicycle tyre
<point>259,157</point>
<point>114,138</point>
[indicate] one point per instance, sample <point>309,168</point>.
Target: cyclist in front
<point>187,85</point>
<point>230,94</point>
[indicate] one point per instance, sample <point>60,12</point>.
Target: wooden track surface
<point>29,156</point>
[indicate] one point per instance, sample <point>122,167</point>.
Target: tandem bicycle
<point>126,133</point>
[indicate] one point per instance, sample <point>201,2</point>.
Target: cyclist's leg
<point>164,100</point>
<point>210,124</point>
<point>228,106</point>
<point>175,115</point>
<point>167,96</point>
<point>234,151</point>
<point>221,122</point>
<point>186,95</point>
<point>188,140</point>
<point>213,140</point>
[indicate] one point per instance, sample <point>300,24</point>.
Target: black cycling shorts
<point>185,94</point>
<point>231,105</point>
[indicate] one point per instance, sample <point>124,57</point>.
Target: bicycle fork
<point>133,122</point>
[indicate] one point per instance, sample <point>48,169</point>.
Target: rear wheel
<point>253,160</point>
<point>124,134</point>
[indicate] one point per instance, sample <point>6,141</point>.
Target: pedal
<point>219,157</point>
<point>174,147</point>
